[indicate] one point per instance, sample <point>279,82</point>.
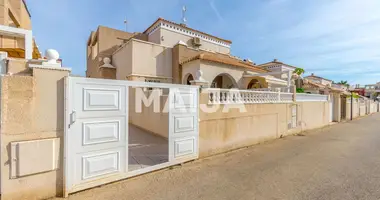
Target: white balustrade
<point>282,89</point>
<point>234,96</point>
<point>300,97</point>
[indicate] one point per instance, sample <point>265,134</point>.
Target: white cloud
<point>215,9</point>
<point>336,38</point>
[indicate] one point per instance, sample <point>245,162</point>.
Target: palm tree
<point>343,83</point>
<point>299,71</point>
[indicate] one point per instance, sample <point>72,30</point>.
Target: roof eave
<point>167,21</point>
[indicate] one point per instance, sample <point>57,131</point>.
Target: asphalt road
<point>337,162</point>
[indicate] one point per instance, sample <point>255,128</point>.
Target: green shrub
<point>355,95</point>
<point>300,90</point>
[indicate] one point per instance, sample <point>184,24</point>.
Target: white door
<point>183,124</point>
<point>96,139</point>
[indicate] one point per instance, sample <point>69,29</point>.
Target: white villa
<point>168,52</point>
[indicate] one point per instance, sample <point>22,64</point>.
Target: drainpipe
<point>352,104</point>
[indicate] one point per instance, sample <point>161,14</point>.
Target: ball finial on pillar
<point>198,75</point>
<point>52,56</point>
<point>106,60</point>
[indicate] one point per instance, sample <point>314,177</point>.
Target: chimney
<point>312,74</point>
<point>182,24</point>
<point>275,60</point>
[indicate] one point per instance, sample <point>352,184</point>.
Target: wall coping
<point>108,67</point>
<point>34,66</point>
<point>140,41</point>
<point>149,76</point>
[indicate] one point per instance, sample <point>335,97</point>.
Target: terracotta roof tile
<point>167,21</point>
<point>275,62</point>
<point>320,86</point>
<point>224,59</point>
<point>312,75</point>
<point>316,85</point>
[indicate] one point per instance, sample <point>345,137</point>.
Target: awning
<point>269,79</point>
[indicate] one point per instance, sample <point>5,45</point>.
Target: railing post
<point>210,97</point>
<point>217,97</point>
<point>240,95</point>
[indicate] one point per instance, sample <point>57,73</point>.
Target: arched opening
<point>224,81</point>
<point>188,78</point>
<point>254,84</point>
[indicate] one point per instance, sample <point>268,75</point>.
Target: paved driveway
<point>336,162</point>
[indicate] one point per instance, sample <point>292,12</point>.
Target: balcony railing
<point>231,96</point>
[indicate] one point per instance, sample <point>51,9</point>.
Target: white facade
<point>319,80</point>
<point>169,34</point>
<point>280,68</point>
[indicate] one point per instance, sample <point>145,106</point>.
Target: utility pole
<point>352,103</point>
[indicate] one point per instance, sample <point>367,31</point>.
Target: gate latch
<point>73,117</point>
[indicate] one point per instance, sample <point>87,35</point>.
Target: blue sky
<point>337,39</point>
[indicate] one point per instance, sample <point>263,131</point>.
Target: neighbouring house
<point>372,90</point>
<point>357,88</point>
<point>338,94</point>
<point>168,52</point>
<point>277,66</point>
<point>15,30</point>
<point>313,84</point>
<point>318,85</point>
<point>319,80</point>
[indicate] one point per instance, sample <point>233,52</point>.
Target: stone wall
<point>32,108</point>
<point>223,131</point>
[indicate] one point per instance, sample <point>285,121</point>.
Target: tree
<point>343,83</point>
<point>299,71</point>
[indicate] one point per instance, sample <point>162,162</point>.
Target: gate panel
<point>183,124</point>
<point>97,131</point>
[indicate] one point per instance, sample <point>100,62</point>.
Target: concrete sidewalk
<point>337,162</point>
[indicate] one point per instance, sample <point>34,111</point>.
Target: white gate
<point>183,120</point>
<point>96,130</point>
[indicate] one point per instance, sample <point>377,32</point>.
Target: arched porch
<point>188,78</point>
<point>225,81</point>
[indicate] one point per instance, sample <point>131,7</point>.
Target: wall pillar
<point>32,112</point>
<point>199,81</point>
<point>337,107</point>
